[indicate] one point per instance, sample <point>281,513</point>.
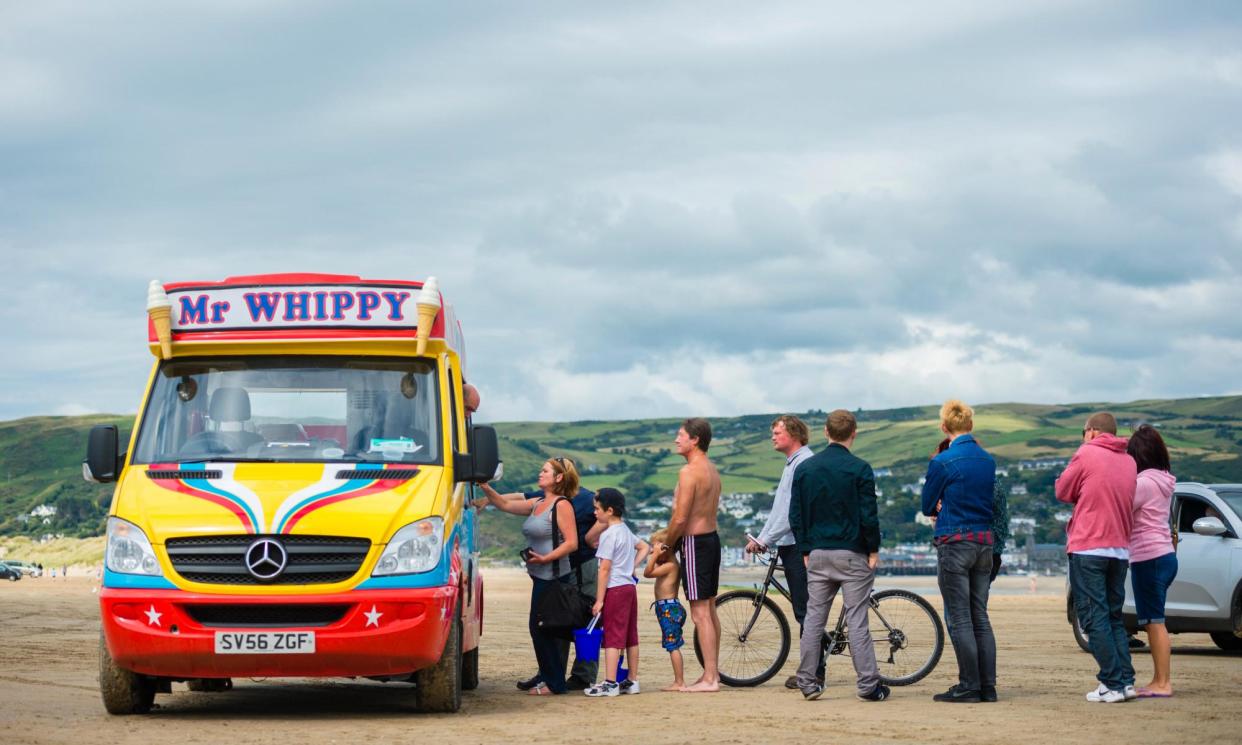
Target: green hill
<point>40,460</point>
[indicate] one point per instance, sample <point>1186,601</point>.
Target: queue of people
<point>824,526</point>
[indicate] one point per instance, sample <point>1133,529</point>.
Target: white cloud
<point>645,209</point>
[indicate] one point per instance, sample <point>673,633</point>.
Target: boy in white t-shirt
<point>618,553</point>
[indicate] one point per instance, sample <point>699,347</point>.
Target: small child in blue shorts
<point>666,572</point>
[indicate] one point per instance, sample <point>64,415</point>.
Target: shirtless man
<point>693,526</point>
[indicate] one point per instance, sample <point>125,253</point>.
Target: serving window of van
<point>292,408</point>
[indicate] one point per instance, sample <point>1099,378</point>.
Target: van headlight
<point>415,548</point>
<point>128,550</point>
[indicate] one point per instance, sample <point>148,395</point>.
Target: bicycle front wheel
<point>908,636</point>
<point>754,638</point>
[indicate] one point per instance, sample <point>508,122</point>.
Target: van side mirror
<point>1209,526</point>
<point>481,463</point>
<point>103,463</point>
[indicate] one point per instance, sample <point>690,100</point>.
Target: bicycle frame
<point>769,580</point>
<point>836,641</point>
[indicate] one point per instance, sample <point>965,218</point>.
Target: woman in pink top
<point>1153,561</point>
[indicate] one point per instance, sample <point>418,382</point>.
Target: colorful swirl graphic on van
<point>367,478</point>
<point>337,483</point>
<point>225,491</point>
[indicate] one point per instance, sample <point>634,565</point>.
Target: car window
<point>1233,499</point>
<point>1189,510</point>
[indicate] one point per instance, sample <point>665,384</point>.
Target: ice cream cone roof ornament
<point>428,307</point>
<point>159,308</point>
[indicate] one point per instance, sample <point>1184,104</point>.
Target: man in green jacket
<point>833,514</point>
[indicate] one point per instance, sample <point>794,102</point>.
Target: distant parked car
<point>10,573</point>
<point>31,570</point>
<point>1206,596</point>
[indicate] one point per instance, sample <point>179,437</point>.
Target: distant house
<point>1049,557</point>
<point>1002,472</point>
<point>1042,464</point>
<point>883,473</point>
<point>1018,490</point>
<point>1021,525</point>
<point>44,513</point>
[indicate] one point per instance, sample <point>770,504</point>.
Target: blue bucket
<point>587,644</point>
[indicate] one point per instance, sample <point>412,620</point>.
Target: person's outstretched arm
<point>507,503</point>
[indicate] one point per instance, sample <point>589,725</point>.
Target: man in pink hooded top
<point>1099,481</point>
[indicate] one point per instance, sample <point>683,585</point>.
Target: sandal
<point>539,690</point>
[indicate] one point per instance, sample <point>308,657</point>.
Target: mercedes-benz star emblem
<point>266,559</point>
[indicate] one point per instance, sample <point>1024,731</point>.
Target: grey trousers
<point>827,572</point>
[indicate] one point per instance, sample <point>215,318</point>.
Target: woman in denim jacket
<point>958,492</point>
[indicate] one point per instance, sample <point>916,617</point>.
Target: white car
<point>1206,596</point>
<point>31,570</point>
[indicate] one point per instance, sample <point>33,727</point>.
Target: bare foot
<point>1156,690</point>
<point>674,686</point>
<point>702,686</point>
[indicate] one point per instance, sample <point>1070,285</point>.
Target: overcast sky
<point>645,209</point>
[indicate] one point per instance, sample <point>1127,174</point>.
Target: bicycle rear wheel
<point>908,636</point>
<point>748,658</point>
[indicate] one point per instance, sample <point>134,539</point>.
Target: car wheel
<point>1080,634</point>
<point>1227,641</point>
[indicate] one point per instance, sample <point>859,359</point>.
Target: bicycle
<point>755,638</point>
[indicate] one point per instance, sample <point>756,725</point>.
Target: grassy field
<point>40,457</point>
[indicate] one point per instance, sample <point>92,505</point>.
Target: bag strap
<point>556,532</point>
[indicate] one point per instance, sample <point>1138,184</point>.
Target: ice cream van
<point>294,500</point>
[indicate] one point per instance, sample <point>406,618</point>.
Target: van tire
<point>438,688</point>
<point>123,691</point>
<point>470,670</point>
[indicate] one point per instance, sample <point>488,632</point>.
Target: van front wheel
<point>124,691</point>
<point>438,688</point>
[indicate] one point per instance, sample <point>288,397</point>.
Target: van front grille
<point>312,560</point>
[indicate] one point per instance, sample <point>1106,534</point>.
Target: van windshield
<point>317,409</point>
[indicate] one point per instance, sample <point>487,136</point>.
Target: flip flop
<point>1145,693</point>
<point>539,690</point>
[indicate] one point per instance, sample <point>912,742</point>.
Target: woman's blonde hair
<point>957,417</point>
<point>568,485</point>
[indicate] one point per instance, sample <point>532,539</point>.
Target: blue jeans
<point>1099,587</point>
<point>963,571</point>
<point>550,653</point>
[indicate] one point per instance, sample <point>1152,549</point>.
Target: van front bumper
<point>170,633</point>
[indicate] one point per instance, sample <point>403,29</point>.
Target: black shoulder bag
<point>562,607</point>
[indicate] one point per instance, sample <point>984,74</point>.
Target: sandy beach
<point>48,690</point>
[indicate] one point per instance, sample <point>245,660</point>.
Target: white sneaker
<point>631,687</point>
<point>1130,693</point>
<point>606,688</point>
<point>1105,695</point>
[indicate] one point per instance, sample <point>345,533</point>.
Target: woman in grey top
<point>559,481</point>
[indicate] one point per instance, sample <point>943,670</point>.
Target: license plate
<point>265,642</point>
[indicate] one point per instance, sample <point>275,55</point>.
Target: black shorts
<point>700,565</point>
